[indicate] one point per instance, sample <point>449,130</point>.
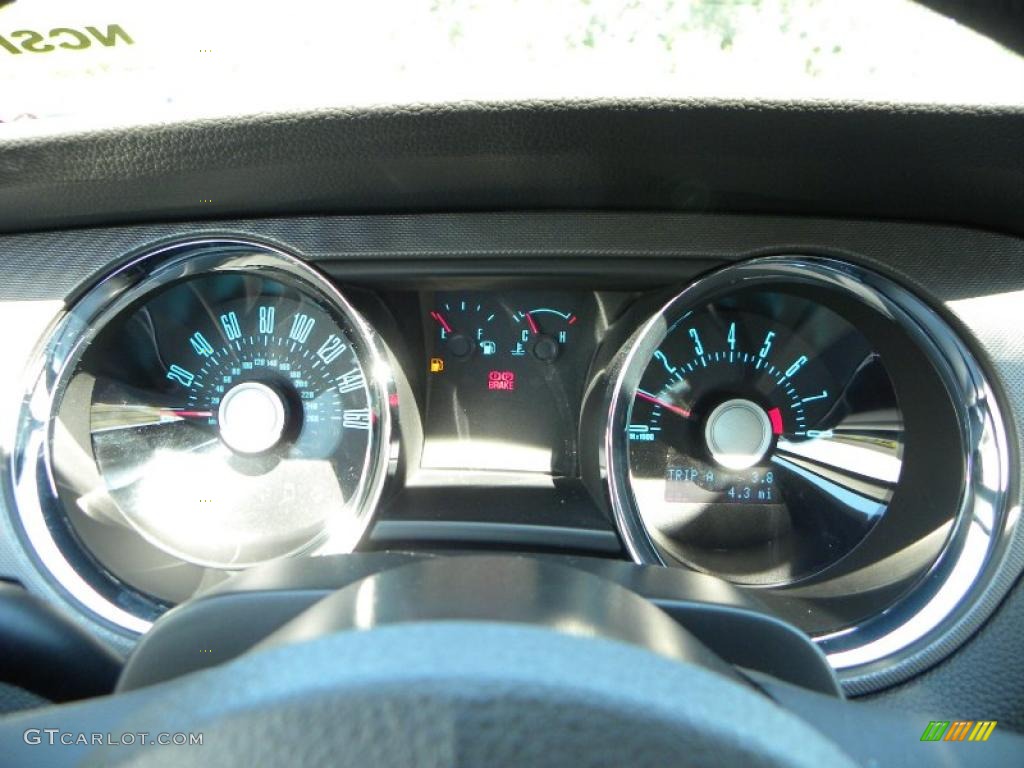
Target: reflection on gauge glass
<point>231,418</point>
<point>764,437</point>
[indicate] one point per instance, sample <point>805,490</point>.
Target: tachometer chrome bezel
<point>38,510</point>
<point>921,626</point>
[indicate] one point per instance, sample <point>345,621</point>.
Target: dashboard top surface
<point>851,159</point>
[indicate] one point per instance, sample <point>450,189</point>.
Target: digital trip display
<point>689,480</point>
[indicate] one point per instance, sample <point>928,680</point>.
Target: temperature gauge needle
<point>667,406</point>
<point>532,323</point>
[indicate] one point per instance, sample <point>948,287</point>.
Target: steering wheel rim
<point>466,693</point>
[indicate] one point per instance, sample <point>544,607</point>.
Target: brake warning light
<point>501,380</point>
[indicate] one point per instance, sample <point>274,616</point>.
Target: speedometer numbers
<point>277,376</point>
<point>232,416</point>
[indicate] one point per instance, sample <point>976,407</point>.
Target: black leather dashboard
<point>932,163</point>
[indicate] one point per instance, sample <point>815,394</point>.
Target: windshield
<point>122,61</point>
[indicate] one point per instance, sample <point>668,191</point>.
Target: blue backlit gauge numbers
<point>302,326</point>
<point>759,428</point>
<point>182,376</point>
<point>312,370</point>
<point>331,349</point>
<point>357,418</point>
<point>351,381</point>
<point>267,315</point>
<point>542,332</point>
<point>200,345</point>
<point>698,348</point>
<point>643,432</point>
<point>719,392</point>
<point>232,329</point>
<point>240,400</point>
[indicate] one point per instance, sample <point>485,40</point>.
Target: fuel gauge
<point>465,327</point>
<point>543,333</point>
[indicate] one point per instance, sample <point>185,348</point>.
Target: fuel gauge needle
<point>667,406</point>
<point>444,323</point>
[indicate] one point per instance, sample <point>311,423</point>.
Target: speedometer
<point>230,417</point>
<point>207,407</point>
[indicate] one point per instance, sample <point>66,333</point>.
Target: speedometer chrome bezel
<point>38,507</point>
<point>921,625</point>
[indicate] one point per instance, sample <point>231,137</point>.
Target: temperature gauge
<point>543,333</point>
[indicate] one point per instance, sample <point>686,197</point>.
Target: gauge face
<point>764,438</point>
<point>544,332</point>
<point>465,328</point>
<point>231,418</point>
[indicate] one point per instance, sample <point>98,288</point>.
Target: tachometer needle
<point>667,406</point>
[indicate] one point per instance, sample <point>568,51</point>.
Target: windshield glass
<point>121,61</point>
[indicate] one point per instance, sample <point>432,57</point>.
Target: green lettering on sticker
<point>32,40</point>
<point>8,46</point>
<point>109,39</point>
<point>83,40</point>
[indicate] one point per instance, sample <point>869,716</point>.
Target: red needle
<point>189,414</point>
<point>444,323</point>
<point>532,323</point>
<point>668,406</point>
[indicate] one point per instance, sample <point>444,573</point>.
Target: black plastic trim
<point>392,532</point>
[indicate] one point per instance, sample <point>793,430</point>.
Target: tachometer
<point>763,436</point>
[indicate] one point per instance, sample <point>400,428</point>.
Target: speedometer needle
<point>186,414</point>
<point>667,406</point>
<point>109,416</point>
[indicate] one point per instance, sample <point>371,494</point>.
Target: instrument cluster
<point>796,425</point>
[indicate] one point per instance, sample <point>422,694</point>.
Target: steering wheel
<point>454,661</point>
